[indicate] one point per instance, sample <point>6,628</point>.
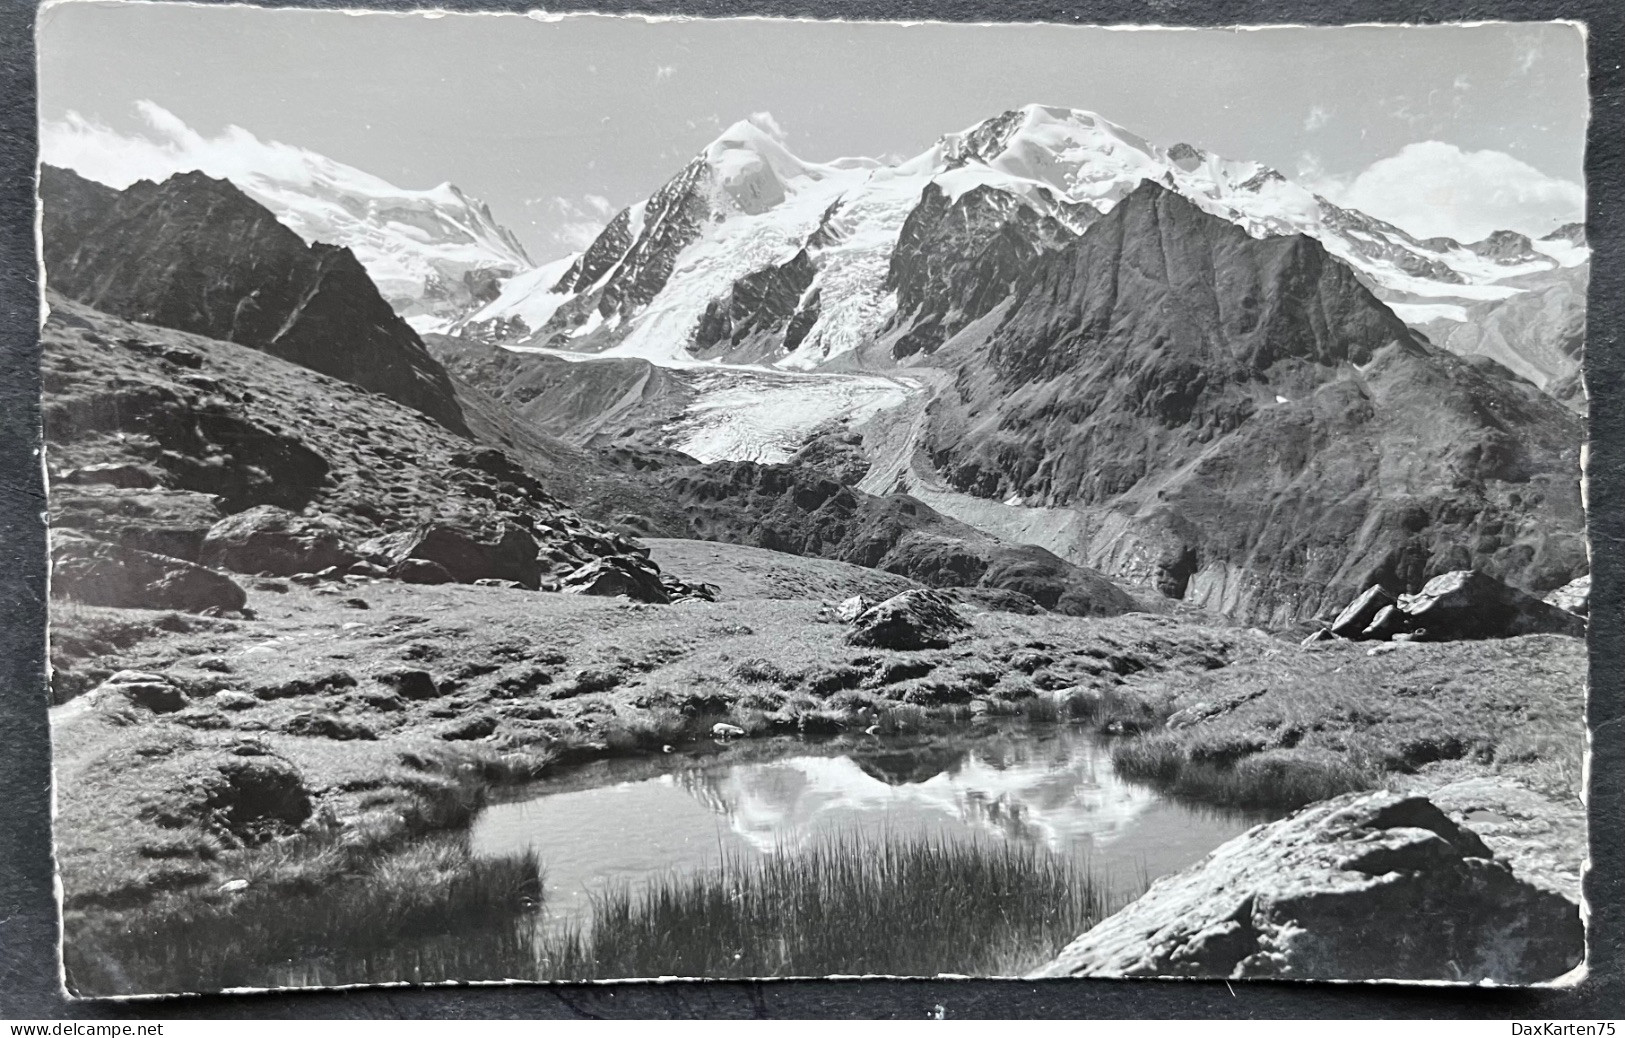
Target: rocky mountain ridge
<point>1248,427</point>
<point>197,254</point>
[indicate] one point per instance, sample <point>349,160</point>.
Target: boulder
<point>1466,604</point>
<point>1388,622</point>
<point>268,539</point>
<point>851,608</point>
<point>103,574</point>
<point>1575,596</point>
<point>617,575</point>
<point>909,621</point>
<point>153,692</point>
<point>411,684</point>
<point>468,550</point>
<point>1358,614</point>
<point>1363,886</point>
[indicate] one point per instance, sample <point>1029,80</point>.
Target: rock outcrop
<point>956,259</point>
<point>1463,604</point>
<point>1365,886</point>
<point>1469,604</point>
<point>467,551</point>
<point>637,579</point>
<point>910,621</point>
<point>102,574</point>
<point>197,254</point>
<point>270,540</point>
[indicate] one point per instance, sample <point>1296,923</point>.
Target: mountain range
<point>1040,357</point>
<point>752,254</point>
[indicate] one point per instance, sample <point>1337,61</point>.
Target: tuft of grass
<point>1281,779</point>
<point>848,904</point>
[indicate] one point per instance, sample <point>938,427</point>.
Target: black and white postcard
<point>573,497</point>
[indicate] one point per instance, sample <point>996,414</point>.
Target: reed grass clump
<point>431,911</point>
<point>1282,780</point>
<point>850,904</point>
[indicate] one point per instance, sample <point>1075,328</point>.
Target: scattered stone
<point>587,681</point>
<point>153,692</point>
<point>328,726</point>
<point>851,608</point>
<point>102,574</point>
<point>493,582</point>
<point>1327,893</point>
<point>910,621</point>
<point>232,886</point>
<point>355,603</point>
<point>411,684</point>
<point>1575,596</point>
<point>270,540</point>
<point>613,575</point>
<point>379,699</point>
<point>231,699</point>
<point>367,569</point>
<point>1322,635</point>
<point>471,728</point>
<point>1358,614</point>
<point>308,686</point>
<point>1467,604</point>
<point>724,730</point>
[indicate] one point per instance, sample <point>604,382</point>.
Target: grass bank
<point>393,894</point>
<point>851,904</point>
<point>1306,724</point>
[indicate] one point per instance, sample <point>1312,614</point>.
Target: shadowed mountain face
<point>1248,427</point>
<point>196,254</point>
<point>956,259</point>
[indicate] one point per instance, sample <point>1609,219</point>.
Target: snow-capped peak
<point>417,245</point>
<point>746,208</point>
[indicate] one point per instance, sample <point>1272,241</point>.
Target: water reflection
<point>1051,786</point>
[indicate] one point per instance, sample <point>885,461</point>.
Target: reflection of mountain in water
<point>909,767</point>
<point>1057,792</point>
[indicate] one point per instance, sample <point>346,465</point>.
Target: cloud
<point>165,145</point>
<point>1433,188</point>
<point>765,122</point>
<point>575,224</point>
<point>1318,116</point>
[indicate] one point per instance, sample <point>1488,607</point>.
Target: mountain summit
<point>834,241</point>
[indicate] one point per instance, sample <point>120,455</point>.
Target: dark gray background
<point>28,925</point>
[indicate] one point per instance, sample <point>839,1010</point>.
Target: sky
<point>559,122</point>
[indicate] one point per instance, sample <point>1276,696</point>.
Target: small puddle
<point>619,823</point>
